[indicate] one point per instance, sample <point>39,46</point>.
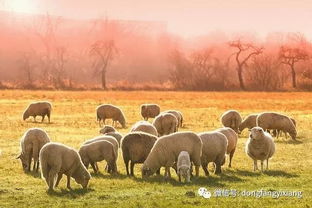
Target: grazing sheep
<point>166,150</point>
<point>270,120</point>
<point>110,139</point>
<point>184,166</point>
<point>214,149</point>
<point>107,129</point>
<point>144,126</point>
<point>135,148</point>
<point>57,159</point>
<point>31,143</point>
<point>249,122</point>
<point>232,138</point>
<point>96,152</point>
<point>231,119</point>
<point>116,135</point>
<point>108,111</point>
<point>149,111</point>
<point>260,146</point>
<point>277,133</point>
<point>42,108</point>
<point>165,123</point>
<point>178,115</point>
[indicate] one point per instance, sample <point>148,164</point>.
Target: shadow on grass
<point>287,141</point>
<point>34,174</point>
<point>109,176</point>
<point>280,173</point>
<point>73,193</point>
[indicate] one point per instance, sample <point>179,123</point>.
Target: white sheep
<point>270,120</point>
<point>108,111</point>
<point>31,143</point>
<point>178,115</point>
<point>57,159</point>
<point>260,146</point>
<point>149,111</point>
<point>184,166</point>
<point>42,108</point>
<point>165,123</point>
<point>231,119</point>
<point>166,150</point>
<point>214,149</point>
<point>249,122</point>
<point>144,126</point>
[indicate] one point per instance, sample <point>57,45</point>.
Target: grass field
<point>73,121</point>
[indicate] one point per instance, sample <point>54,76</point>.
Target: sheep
<point>107,129</point>
<point>165,123</point>
<point>214,149</point>
<point>107,111</point>
<point>144,126</point>
<point>231,119</point>
<point>96,152</point>
<point>149,111</point>
<point>110,139</point>
<point>57,159</point>
<point>270,120</point>
<point>277,133</point>
<point>260,146</point>
<point>184,166</point>
<point>31,143</point>
<point>178,115</point>
<point>166,150</point>
<point>232,138</point>
<point>249,122</point>
<point>42,108</point>
<point>116,135</point>
<point>135,148</point>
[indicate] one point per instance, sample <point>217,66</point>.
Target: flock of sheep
<point>157,144</point>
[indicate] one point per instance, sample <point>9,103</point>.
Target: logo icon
<point>204,193</point>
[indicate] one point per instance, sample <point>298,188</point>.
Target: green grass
<point>73,121</point>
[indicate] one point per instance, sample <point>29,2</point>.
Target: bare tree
<point>244,52</point>
<point>27,66</point>
<point>58,67</point>
<point>292,54</point>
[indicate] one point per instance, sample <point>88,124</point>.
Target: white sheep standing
<point>231,119</point>
<point>42,108</point>
<point>108,111</point>
<point>31,143</point>
<point>260,146</point>
<point>184,166</point>
<point>165,123</point>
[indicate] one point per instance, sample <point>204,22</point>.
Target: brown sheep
<point>165,123</point>
<point>149,111</point>
<point>42,108</point>
<point>108,111</point>
<point>231,119</point>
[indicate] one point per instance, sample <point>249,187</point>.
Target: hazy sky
<point>186,17</point>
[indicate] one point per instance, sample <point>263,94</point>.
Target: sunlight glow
<point>22,6</point>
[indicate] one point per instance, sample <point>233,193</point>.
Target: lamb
<point>31,143</point>
<point>166,150</point>
<point>108,111</point>
<point>149,111</point>
<point>260,146</point>
<point>135,148</point>
<point>144,126</point>
<point>232,138</point>
<point>231,119</point>
<point>249,122</point>
<point>96,152</point>
<point>57,159</point>
<point>42,108</point>
<point>107,129</point>
<point>214,149</point>
<point>184,166</point>
<point>110,139</point>
<point>270,120</point>
<point>165,123</point>
<point>178,115</point>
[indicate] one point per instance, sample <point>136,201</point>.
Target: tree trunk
<point>293,75</point>
<point>104,79</point>
<point>240,78</point>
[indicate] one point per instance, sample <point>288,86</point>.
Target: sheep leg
<point>29,162</point>
<point>267,164</point>
<point>42,118</point>
<point>179,177</point>
<point>255,165</point>
<point>204,166</point>
<point>167,172</point>
<point>127,166</point>
<point>218,168</point>
<point>51,180</point>
<point>35,119</point>
<point>37,168</point>
<point>68,182</point>
<point>197,170</point>
<point>158,172</point>
<point>132,168</point>
<point>231,156</point>
<point>188,178</point>
<point>48,115</point>
<point>94,168</point>
<point>59,177</point>
<point>261,165</point>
